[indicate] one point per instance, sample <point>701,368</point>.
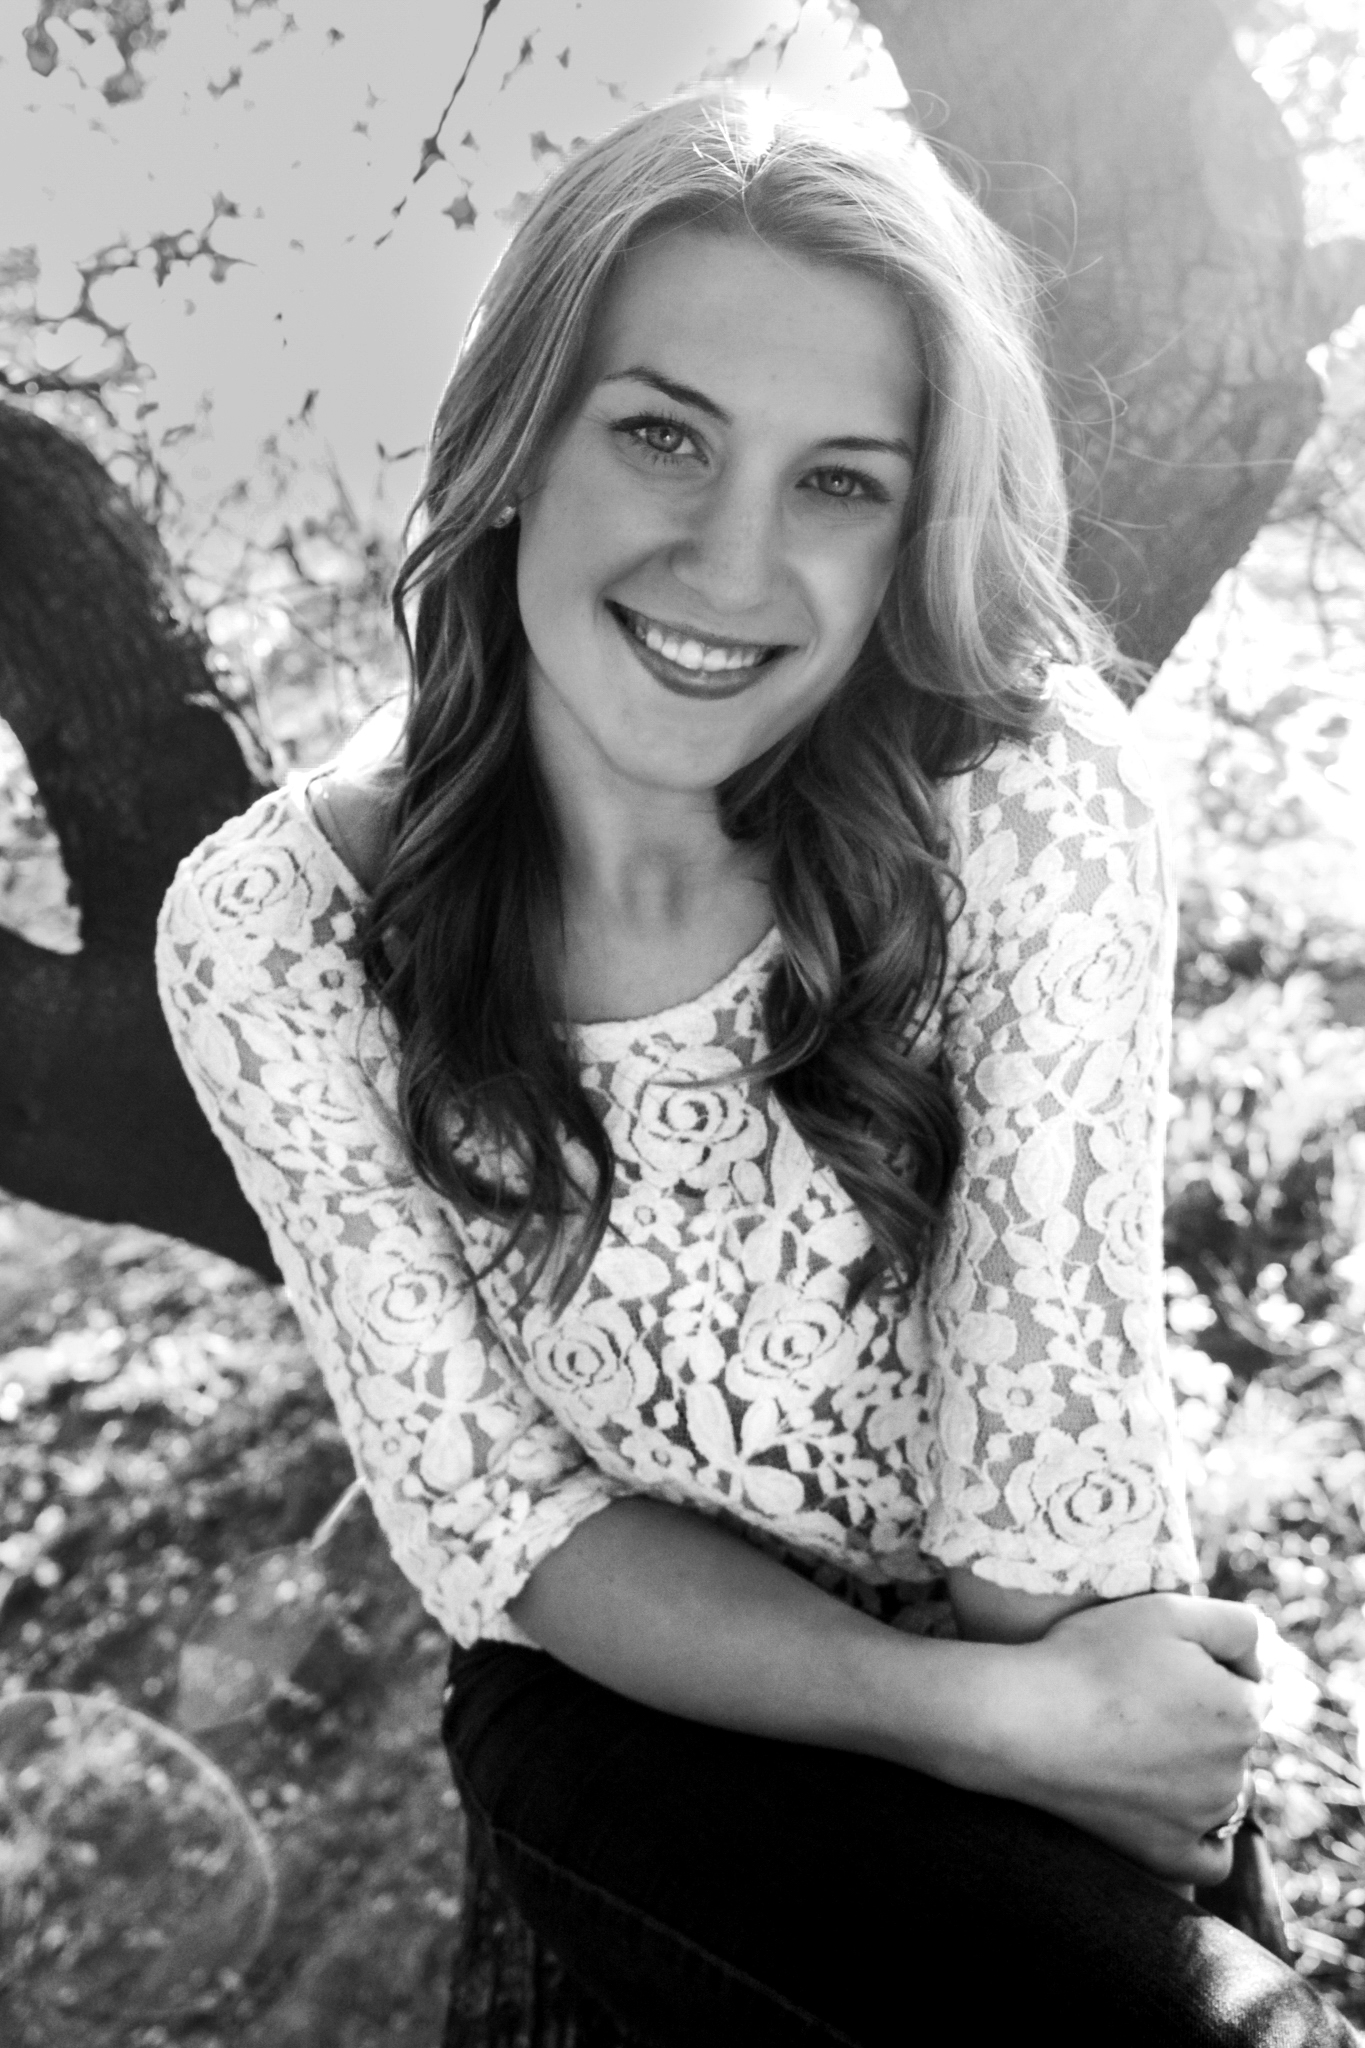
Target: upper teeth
<point>690,653</point>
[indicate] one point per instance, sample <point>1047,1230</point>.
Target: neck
<point>636,856</point>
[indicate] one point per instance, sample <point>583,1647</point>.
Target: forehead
<point>748,323</point>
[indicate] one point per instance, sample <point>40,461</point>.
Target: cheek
<point>571,546</point>
<point>851,582</point>
<point>547,552</point>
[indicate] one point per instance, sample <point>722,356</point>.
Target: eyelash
<point>635,429</point>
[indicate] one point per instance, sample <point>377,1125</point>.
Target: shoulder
<point>266,879</point>
<point>1059,824</point>
<point>1080,775</point>
<point>259,899</point>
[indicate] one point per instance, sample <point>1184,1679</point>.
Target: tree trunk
<point>1125,143</point>
<point>1130,148</point>
<point>109,693</point>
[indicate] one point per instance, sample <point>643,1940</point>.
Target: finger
<point>1182,1858</point>
<point>1237,1709</point>
<point>1190,1859</point>
<point>1230,1632</point>
<point>1240,1709</point>
<point>1230,1811</point>
<point>1209,1862</point>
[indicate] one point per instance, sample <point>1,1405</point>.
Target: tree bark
<point>125,726</point>
<point>1131,150</point>
<point>1126,144</point>
<point>1123,142</point>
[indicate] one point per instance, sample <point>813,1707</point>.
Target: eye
<point>848,486</point>
<point>657,435</point>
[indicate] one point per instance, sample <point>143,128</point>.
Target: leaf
<point>709,1425</point>
<point>432,153</point>
<point>123,86</point>
<point>132,1840</point>
<point>216,1687</point>
<point>524,56</point>
<point>773,1491</point>
<point>268,1617</point>
<point>258,1630</point>
<point>760,1427</point>
<point>1284,702</point>
<point>460,211</point>
<point>42,51</point>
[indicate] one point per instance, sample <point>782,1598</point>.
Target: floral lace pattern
<point>1015,1420</point>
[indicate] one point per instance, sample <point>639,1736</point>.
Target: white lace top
<point>1016,1420</point>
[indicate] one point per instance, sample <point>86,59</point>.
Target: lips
<point>693,663</point>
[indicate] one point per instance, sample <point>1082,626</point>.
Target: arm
<point>987,1613</point>
<point>1060,1481</point>
<point>471,1478</point>
<point>484,1497</point>
<point>1131,1718</point>
<point>348,805</point>
<point>1123,1720</point>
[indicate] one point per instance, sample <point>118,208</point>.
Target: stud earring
<point>504,515</point>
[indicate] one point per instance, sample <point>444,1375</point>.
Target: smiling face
<point>708,541</point>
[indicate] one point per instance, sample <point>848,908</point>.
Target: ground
<point>161,1423</point>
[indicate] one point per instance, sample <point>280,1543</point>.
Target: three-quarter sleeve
<point>1057,1460</point>
<point>472,1479</point>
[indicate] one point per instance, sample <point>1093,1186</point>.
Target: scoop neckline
<point>602,1033</point>
<point>612,1034</point>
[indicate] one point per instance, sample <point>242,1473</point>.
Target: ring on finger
<point>1230,1826</point>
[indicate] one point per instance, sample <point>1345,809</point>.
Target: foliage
<point>1258,728</point>
<point>163,1424</point>
<point>1310,57</point>
<point>160,1422</point>
<point>133,1877</point>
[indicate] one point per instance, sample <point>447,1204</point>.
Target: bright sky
<point>308,116</point>
<point>310,124</point>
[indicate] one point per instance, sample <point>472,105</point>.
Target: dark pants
<point>715,1890</point>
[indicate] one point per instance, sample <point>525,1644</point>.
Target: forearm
<point>675,1611</point>
<point>1132,1720</point>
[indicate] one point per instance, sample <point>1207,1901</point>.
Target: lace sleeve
<point>472,1479</point>
<point>1058,1466</point>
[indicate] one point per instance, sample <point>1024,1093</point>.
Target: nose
<point>731,553</point>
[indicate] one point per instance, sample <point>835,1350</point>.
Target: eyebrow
<point>687,394</point>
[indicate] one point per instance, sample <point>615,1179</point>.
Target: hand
<point>1134,1720</point>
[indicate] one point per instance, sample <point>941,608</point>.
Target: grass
<point>160,1421</point>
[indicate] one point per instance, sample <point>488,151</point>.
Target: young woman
<point>703,1088</point>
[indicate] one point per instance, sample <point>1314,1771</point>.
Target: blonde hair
<point>847,806</point>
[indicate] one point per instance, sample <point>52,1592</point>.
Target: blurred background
<point>238,247</point>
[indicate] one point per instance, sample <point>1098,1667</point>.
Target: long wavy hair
<point>463,935</point>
